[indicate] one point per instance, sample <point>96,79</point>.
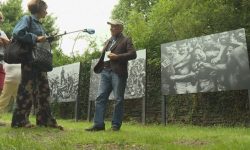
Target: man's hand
<point>51,39</point>
<point>4,41</point>
<point>113,56</point>
<point>41,39</point>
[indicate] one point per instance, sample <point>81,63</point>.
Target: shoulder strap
<point>30,23</point>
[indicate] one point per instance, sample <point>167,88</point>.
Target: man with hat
<point>112,66</point>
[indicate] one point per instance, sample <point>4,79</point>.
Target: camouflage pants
<point>33,89</point>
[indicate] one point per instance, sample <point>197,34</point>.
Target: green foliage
<point>169,20</point>
<point>59,58</point>
<point>122,10</point>
<point>12,11</point>
<point>91,52</point>
<point>137,28</point>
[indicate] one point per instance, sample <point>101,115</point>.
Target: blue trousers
<point>110,81</point>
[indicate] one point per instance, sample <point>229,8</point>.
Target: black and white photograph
<point>63,82</point>
<point>135,82</point>
<point>216,62</point>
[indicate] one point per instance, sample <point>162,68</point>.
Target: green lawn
<point>132,136</point>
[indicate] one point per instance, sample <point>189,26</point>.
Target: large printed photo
<point>217,62</point>
<point>63,82</point>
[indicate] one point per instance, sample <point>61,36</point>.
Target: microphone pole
<point>89,31</point>
<point>66,33</point>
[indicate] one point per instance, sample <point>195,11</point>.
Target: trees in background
<point>151,23</point>
<point>12,11</point>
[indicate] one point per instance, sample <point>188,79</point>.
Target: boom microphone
<point>89,31</point>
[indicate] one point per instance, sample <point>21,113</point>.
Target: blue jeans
<point>110,81</point>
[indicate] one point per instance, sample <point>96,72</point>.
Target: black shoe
<point>93,129</point>
<point>114,128</point>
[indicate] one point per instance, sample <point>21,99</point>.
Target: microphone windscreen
<point>89,31</point>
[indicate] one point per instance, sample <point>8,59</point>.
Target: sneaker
<point>58,127</point>
<point>94,129</point>
<point>114,128</point>
<point>52,126</point>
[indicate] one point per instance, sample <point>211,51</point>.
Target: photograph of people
<point>210,63</point>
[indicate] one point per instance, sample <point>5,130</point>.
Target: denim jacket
<point>24,33</point>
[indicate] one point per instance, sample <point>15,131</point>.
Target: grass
<point>132,136</point>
